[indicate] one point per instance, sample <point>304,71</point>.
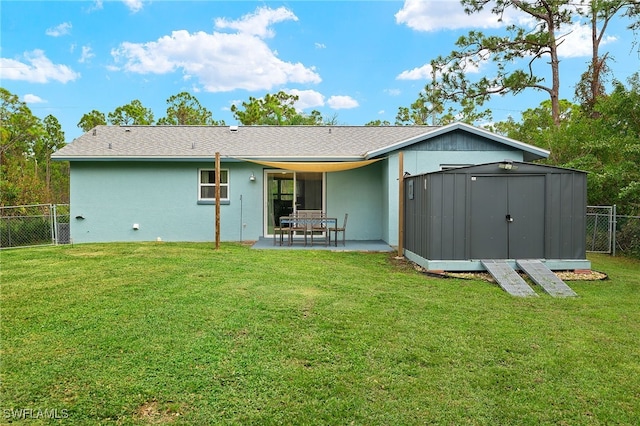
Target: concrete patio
<point>366,246</point>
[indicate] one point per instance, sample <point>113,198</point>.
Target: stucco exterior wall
<point>359,193</point>
<point>162,198</point>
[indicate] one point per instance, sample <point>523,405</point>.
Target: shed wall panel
<point>460,214</point>
<point>459,217</point>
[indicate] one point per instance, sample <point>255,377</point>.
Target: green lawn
<point>183,334</point>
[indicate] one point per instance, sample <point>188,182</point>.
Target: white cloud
<point>320,45</point>
<point>133,5</point>
<point>342,102</point>
<point>33,99</point>
<point>576,41</point>
<point>258,23</point>
<point>97,5</point>
<point>36,68</point>
<point>420,73</point>
<point>307,98</point>
<point>220,61</point>
<point>393,92</point>
<point>60,30</point>
<point>425,72</point>
<point>434,15</point>
<point>87,54</point>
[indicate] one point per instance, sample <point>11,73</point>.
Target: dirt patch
<point>403,263</point>
<point>155,413</point>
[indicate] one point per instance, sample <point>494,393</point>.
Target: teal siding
<point>359,193</point>
<point>385,200</point>
<point>418,162</point>
<point>163,199</point>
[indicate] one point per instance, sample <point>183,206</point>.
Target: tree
<point>599,13</point>
<point>51,140</point>
<point>430,107</point>
<point>18,135</point>
<point>91,120</point>
<point>27,175</point>
<point>378,123</point>
<point>419,112</point>
<point>330,121</point>
<point>20,128</point>
<point>277,109</point>
<point>619,124</point>
<point>185,109</point>
<point>539,44</point>
<point>132,114</point>
<point>606,144</point>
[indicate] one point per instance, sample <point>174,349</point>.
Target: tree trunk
<point>554,93</point>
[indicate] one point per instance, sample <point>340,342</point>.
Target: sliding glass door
<point>287,192</point>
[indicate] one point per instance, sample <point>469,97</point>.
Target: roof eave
<point>228,158</point>
<point>535,152</point>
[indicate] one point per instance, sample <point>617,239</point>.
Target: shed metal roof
<point>299,143</point>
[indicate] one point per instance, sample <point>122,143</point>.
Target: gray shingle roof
<point>302,143</point>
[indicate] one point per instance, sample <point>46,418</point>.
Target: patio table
<point>309,224</point>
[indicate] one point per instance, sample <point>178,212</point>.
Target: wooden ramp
<point>545,278</point>
<point>508,279</point>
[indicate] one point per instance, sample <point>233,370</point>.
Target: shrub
<point>628,236</point>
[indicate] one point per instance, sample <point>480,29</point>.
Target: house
<point>143,183</point>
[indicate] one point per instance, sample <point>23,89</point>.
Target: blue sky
<point>358,60</point>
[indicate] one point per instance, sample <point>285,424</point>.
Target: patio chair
<point>298,226</point>
<point>278,230</point>
<point>342,229</point>
<point>318,226</point>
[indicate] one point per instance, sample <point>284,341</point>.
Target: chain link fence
<point>602,221</point>
<point>34,225</point>
<point>600,229</point>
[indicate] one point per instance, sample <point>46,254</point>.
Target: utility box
<point>505,210</point>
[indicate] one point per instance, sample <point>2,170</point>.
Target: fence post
<point>595,232</point>
<point>54,209</point>
<point>615,227</point>
<point>51,224</point>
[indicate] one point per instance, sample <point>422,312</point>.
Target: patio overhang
<point>319,166</point>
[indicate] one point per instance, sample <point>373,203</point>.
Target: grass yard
<point>183,334</point>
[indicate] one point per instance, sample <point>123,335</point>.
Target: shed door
<point>507,217</point>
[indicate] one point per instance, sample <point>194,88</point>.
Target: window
<point>207,185</point>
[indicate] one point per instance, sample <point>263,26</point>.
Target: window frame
<point>223,200</point>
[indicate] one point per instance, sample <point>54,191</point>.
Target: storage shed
<point>505,210</point>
